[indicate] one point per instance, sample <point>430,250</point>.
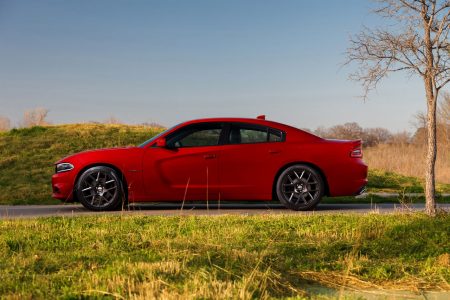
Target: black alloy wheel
<point>300,187</point>
<point>100,189</point>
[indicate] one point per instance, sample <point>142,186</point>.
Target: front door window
<point>197,135</point>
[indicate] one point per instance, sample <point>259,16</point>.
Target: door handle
<point>273,151</point>
<point>209,156</point>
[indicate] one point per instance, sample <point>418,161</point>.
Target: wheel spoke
<point>290,179</point>
<point>108,196</point>
<point>104,198</point>
<point>304,200</point>
<point>107,190</point>
<point>297,199</point>
<point>299,177</point>
<point>100,200</point>
<point>300,198</point>
<point>89,193</point>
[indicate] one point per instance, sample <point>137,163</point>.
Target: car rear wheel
<point>100,189</point>
<point>300,187</point>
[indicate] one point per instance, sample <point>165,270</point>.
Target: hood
<point>97,152</point>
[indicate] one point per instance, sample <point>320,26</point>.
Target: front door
<point>187,169</point>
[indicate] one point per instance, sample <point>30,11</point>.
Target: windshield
<point>155,137</point>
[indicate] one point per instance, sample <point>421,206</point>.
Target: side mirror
<point>161,143</point>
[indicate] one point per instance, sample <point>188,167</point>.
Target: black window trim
<point>227,128</point>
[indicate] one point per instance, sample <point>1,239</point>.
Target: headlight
<point>63,167</point>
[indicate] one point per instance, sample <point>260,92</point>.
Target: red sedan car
<point>215,159</point>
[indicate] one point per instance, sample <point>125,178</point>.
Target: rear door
<point>249,161</point>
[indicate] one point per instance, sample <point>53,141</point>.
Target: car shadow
<point>238,206</point>
<point>194,208</point>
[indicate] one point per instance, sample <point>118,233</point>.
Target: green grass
<point>220,257</point>
<point>391,182</point>
<point>374,199</point>
<point>27,156</point>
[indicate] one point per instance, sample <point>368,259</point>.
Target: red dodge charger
<point>215,159</point>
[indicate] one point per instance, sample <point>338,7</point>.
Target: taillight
<point>357,152</point>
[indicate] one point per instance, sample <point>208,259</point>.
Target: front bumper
<point>62,186</point>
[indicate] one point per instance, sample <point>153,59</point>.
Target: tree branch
<point>380,52</point>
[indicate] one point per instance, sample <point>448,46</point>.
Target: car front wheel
<point>100,189</point>
<point>300,187</point>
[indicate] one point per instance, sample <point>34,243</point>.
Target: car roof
<point>243,120</point>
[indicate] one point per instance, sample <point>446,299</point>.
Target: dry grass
<point>407,159</point>
<point>223,257</point>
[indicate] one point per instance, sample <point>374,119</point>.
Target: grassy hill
<point>27,156</point>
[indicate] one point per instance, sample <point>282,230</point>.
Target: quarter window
<point>275,135</point>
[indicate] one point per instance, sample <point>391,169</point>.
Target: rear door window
<point>251,134</point>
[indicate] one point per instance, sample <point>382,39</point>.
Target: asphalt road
<point>174,209</point>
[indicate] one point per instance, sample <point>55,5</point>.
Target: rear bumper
<point>362,190</point>
<point>62,186</point>
<point>350,180</point>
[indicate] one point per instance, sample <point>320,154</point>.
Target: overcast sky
<point>169,61</point>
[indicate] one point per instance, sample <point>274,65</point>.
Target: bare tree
<point>443,119</point>
<point>419,45</point>
<point>153,124</point>
<point>374,136</point>
<point>35,117</point>
<point>402,137</point>
<point>112,120</point>
<point>5,123</point>
<point>420,120</point>
<point>444,109</point>
<point>442,123</point>
<point>347,131</point>
<point>322,131</point>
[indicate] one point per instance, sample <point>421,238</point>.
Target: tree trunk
<point>430,203</point>
<point>431,93</point>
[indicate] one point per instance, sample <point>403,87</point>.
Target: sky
<point>169,61</point>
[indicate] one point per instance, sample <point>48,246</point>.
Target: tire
<point>300,187</point>
<point>100,189</point>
